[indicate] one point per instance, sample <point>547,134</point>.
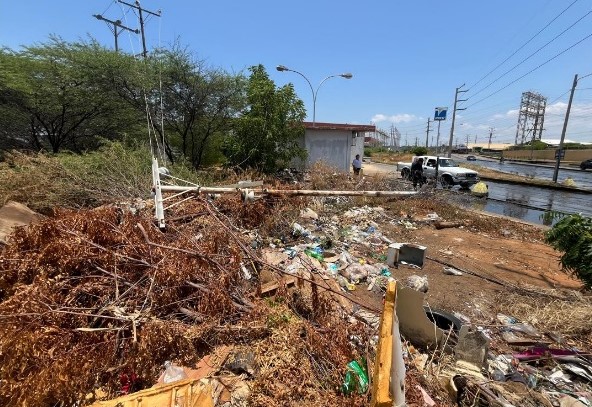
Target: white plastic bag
<point>173,373</point>
<point>418,283</point>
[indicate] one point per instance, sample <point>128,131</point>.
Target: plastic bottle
<point>314,254</point>
<point>173,373</point>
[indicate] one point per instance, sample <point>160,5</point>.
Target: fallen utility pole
<point>247,194</point>
<point>289,192</point>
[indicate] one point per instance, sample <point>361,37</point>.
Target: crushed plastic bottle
<point>314,254</point>
<point>173,373</point>
<point>356,378</point>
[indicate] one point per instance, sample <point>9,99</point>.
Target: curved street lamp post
<point>347,75</point>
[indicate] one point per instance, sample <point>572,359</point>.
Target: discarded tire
<point>443,320</point>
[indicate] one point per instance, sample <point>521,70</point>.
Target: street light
<point>283,68</point>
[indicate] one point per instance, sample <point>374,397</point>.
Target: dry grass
<point>140,302</point>
<point>570,316</point>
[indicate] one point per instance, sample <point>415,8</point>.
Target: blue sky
<point>406,57</point>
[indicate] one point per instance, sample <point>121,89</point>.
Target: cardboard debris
<point>413,321</point>
<point>13,215</point>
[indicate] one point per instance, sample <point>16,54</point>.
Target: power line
<point>525,44</point>
<point>533,54</point>
<point>532,70</point>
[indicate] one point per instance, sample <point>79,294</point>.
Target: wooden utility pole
<point>141,16</point>
<point>456,100</point>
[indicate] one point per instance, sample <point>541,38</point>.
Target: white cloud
<point>397,118</point>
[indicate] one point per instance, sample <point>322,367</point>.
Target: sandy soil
<point>492,265</point>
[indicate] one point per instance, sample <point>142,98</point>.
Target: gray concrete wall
<point>570,155</point>
<point>332,147</point>
<point>358,148</point>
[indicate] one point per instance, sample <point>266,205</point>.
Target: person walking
<point>357,164</point>
<point>417,173</point>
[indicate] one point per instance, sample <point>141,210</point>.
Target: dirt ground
<point>496,256</point>
<point>509,261</point>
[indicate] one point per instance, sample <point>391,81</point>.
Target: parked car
<point>471,158</point>
<point>586,164</point>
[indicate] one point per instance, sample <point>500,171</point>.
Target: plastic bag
<point>355,273</point>
<point>418,283</point>
<point>173,373</point>
<point>356,378</point>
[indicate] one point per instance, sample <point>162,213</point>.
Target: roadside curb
<point>533,184</point>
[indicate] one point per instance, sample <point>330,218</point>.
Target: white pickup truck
<point>449,173</point>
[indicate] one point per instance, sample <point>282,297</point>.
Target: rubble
<point>261,310</point>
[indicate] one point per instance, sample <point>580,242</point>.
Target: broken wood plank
<point>274,285</point>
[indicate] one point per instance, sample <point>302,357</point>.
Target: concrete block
<point>472,347</point>
<point>406,252</point>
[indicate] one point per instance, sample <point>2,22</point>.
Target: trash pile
<point>257,305</point>
<point>505,362</point>
<point>93,303</point>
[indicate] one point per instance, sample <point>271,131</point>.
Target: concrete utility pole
<point>456,100</point>
<point>438,138</point>
<point>558,160</point>
<point>140,10</point>
<point>115,24</point>
<point>428,133</point>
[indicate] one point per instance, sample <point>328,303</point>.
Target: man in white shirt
<point>357,164</point>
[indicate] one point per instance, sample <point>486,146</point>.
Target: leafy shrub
<point>420,151</point>
<point>572,235</point>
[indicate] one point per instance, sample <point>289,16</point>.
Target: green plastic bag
<point>356,378</point>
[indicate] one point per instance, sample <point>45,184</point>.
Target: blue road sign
<point>440,113</point>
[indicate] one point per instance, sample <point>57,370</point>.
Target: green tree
<point>572,235</point>
<point>420,151</point>
<point>199,102</point>
<point>57,92</point>
<point>269,133</point>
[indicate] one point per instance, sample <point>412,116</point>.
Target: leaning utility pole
<point>140,10</point>
<point>456,100</point>
<point>560,150</point>
<point>115,24</point>
<point>428,133</point>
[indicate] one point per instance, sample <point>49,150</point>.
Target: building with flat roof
<point>336,144</point>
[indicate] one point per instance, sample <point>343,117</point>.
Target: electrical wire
<point>532,54</point>
<point>532,70</point>
<point>160,153</point>
<point>525,44</point>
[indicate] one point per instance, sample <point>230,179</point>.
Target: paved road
<point>583,179</point>
<point>519,201</point>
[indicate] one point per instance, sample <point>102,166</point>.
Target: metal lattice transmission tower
<point>382,137</point>
<point>395,137</point>
<point>531,117</point>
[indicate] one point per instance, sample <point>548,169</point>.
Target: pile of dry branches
<point>86,296</point>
